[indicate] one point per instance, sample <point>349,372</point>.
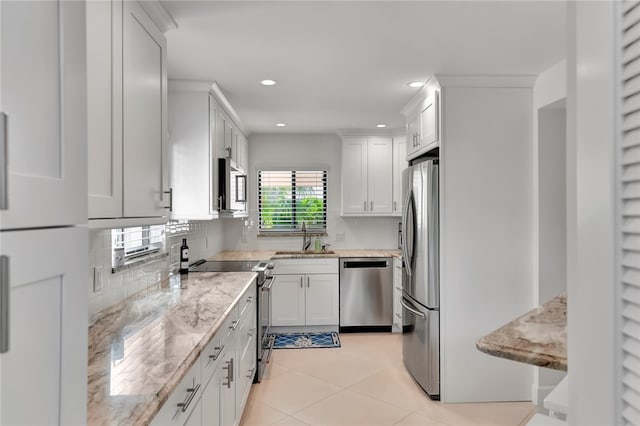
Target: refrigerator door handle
<point>412,310</point>
<point>407,238</point>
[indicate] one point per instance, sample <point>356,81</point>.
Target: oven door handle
<point>266,286</point>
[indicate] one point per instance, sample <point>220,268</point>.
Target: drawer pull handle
<point>170,192</point>
<point>192,392</point>
<point>250,333</point>
<point>216,354</point>
<point>251,372</point>
<point>250,299</point>
<point>234,325</point>
<point>229,369</point>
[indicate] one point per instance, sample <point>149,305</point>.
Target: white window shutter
<point>629,214</point>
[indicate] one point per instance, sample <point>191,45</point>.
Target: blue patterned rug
<point>306,340</point>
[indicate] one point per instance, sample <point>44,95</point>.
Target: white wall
<point>306,150</point>
<point>591,288</point>
<point>486,240</point>
<point>549,201</point>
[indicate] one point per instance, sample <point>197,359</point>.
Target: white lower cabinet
<point>304,299</point>
<point>215,390</point>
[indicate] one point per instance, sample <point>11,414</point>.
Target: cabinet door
<point>228,390</point>
<point>190,167</point>
<point>211,413</point>
<point>43,94</point>
<point>399,164</point>
<point>354,175</point>
<point>429,121</point>
<point>243,152</point>
<point>104,99</point>
<point>413,134</point>
<point>144,88</point>
<point>287,300</point>
<point>223,133</point>
<point>46,361</point>
<point>380,175</point>
<point>322,299</point>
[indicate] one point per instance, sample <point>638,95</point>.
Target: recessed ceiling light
<point>416,84</point>
<point>280,125</point>
<point>268,82</point>
<point>381,125</point>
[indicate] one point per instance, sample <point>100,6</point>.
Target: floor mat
<point>306,340</point>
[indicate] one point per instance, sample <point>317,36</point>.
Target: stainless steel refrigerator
<point>421,278</point>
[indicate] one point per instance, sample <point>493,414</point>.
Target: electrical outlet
<point>97,279</point>
<point>340,236</point>
<point>206,242</point>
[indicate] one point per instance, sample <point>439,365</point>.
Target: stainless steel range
<point>264,281</point>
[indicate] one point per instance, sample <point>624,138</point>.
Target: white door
<point>380,175</point>
<point>354,175</point>
<point>287,300</point>
<point>104,103</point>
<point>46,360</point>
<point>144,88</point>
<point>399,164</point>
<point>42,93</point>
<point>322,299</point>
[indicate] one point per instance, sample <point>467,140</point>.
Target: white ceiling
<point>345,64</point>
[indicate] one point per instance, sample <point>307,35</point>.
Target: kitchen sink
<point>306,252</point>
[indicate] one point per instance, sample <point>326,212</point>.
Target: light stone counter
<point>256,255</point>
<point>141,348</point>
<point>539,337</point>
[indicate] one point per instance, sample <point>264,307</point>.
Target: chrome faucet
<point>305,243</point>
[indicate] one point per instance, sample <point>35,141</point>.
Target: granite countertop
<point>538,337</point>
<point>141,348</point>
<point>256,255</point>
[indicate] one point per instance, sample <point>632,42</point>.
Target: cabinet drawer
<point>183,399</point>
<point>248,300</point>
<point>306,266</point>
<point>213,353</point>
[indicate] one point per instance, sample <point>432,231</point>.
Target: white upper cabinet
<point>46,358</point>
<point>127,112</point>
<point>234,143</point>
<point>201,131</point>
<point>367,175</point>
<point>423,120</point>
<point>43,106</point>
<point>192,150</point>
<point>399,164</point>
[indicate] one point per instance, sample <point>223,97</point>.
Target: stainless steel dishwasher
<point>366,293</point>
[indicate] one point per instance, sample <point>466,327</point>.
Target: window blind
<point>138,240</point>
<point>287,198</point>
<point>629,215</point>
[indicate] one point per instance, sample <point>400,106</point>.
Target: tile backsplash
<point>203,238</point>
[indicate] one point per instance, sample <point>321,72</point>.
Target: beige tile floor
<point>361,383</point>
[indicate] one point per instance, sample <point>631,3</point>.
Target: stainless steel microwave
<point>232,188</point>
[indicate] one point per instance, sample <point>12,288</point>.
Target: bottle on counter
<point>317,244</point>
<point>184,257</point>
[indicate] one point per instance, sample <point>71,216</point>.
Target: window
<point>136,242</point>
<point>287,198</point>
